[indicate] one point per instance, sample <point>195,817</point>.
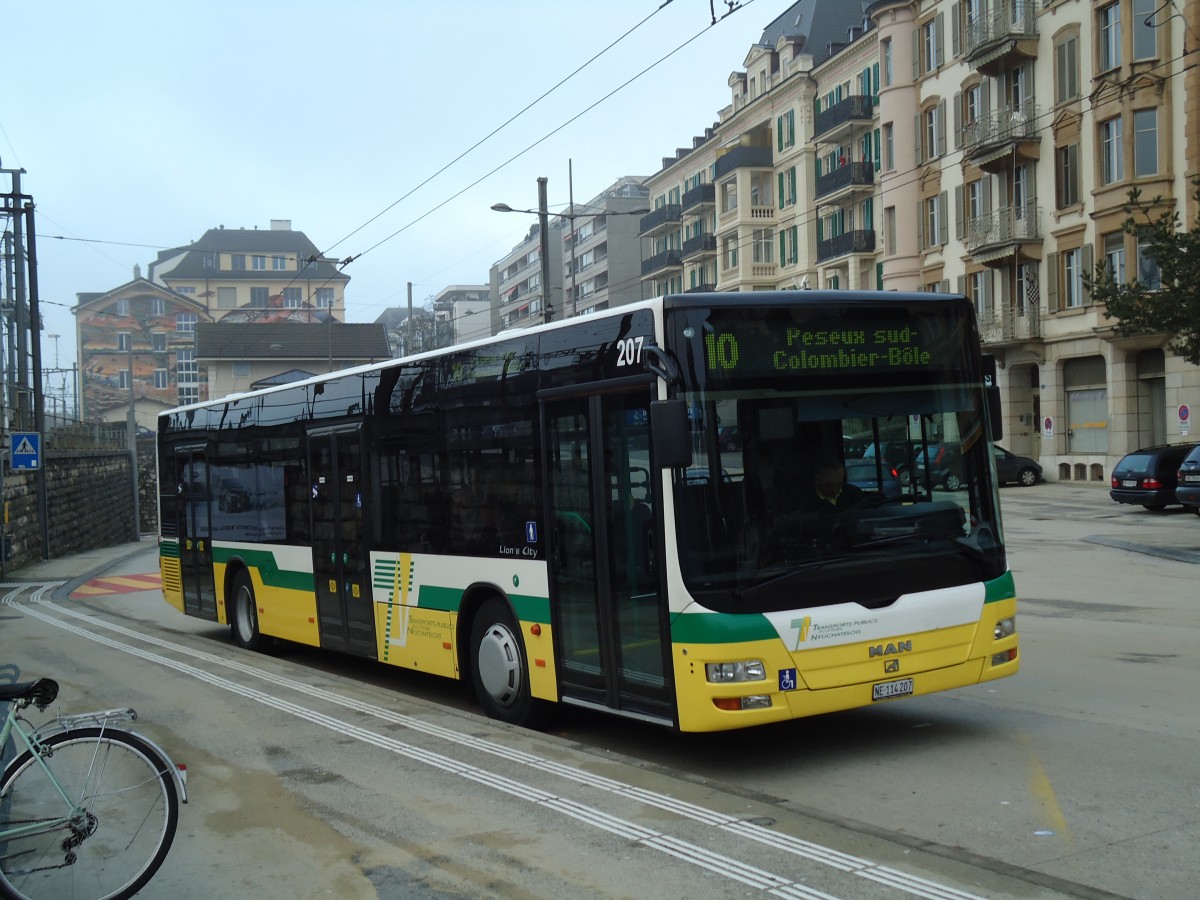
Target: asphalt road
<point>315,775</point>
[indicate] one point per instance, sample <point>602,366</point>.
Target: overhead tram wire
<point>547,136</point>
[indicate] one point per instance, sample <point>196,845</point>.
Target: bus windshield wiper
<point>751,591</point>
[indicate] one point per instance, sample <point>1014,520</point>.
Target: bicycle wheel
<point>129,809</point>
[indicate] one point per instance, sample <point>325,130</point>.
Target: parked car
<point>1010,467</point>
<point>1148,476</point>
<point>900,455</point>
<point>943,462</point>
<point>865,475</point>
<point>1187,489</point>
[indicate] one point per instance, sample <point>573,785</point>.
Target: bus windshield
<point>837,453</point>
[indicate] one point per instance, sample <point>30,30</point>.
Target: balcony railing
<point>701,195</point>
<point>860,107</point>
<point>744,157</point>
<point>701,289</point>
<point>849,242</point>
<point>1011,20</point>
<point>1010,323</point>
<point>664,215</point>
<point>1004,126</point>
<point>1009,225</point>
<point>669,259</point>
<point>700,245</point>
<point>855,174</point>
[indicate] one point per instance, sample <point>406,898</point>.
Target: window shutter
<point>1073,175</point>
<point>987,194</point>
<point>987,289</point>
<point>782,254</point>
<point>958,136</point>
<point>961,284</point>
<point>939,39</point>
<point>943,218</point>
<point>916,53</point>
<point>781,190</point>
<point>875,79</point>
<point>941,127</point>
<point>779,134</point>
<point>956,30</point>
<point>960,216</point>
<point>877,158</point>
<point>1052,282</point>
<point>917,130</point>
<point>791,125</point>
<point>820,230</point>
<point>1088,265</point>
<point>921,225</point>
<point>944,286</point>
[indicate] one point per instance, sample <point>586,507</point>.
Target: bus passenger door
<point>346,615</point>
<point>605,569</point>
<point>195,534</point>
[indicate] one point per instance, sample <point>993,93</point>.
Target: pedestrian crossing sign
<point>26,450</point>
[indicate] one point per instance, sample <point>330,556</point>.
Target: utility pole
<point>571,221</point>
<point>544,226</point>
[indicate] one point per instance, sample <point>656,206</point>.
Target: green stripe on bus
<point>169,549</point>
<point>1002,588</point>
<point>720,628</point>
<point>268,569</point>
<point>449,599</point>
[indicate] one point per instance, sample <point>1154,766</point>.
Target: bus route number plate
<point>889,689</point>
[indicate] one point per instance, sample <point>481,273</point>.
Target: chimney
<point>281,224</point>
<point>137,272</point>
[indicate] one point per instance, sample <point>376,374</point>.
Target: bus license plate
<point>890,689</point>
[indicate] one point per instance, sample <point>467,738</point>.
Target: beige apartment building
<point>979,147</point>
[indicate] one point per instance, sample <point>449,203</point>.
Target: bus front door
<point>606,603</point>
<point>345,613</point>
<point>195,534</point>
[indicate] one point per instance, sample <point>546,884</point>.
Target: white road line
<point>864,868</point>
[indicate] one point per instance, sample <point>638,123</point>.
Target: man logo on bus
<point>803,624</point>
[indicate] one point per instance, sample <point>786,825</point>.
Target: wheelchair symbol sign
<point>787,679</point>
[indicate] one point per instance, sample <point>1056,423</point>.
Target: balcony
<point>832,124</point>
<point>661,263</point>
<point>662,219</point>
<point>702,246</point>
<point>843,244</point>
<point>701,289</point>
<point>1010,324</point>
<point>995,237</point>
<point>744,158</point>
<point>996,40</point>
<point>700,198</point>
<point>990,141</point>
<point>848,179</point>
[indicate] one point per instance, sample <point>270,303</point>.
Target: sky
<point>140,125</point>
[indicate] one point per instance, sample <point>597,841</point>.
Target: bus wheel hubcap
<point>500,665</point>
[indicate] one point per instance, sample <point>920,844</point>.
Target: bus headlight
<point>1005,628</point>
<point>731,672</point>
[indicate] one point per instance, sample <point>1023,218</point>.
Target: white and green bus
<point>616,511</point>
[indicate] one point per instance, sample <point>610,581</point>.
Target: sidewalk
<point>79,567</point>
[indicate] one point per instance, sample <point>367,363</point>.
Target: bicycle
<point>87,810</point>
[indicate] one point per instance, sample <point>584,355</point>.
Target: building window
<point>1145,142</point>
<point>186,371</point>
<point>980,294</point>
<point>278,263</point>
<point>1109,37</point>
<point>786,126</point>
<point>188,394</point>
<point>238,262</point>
<point>1145,28</point>
<point>972,104</point>
<point>1110,151</point>
<point>1072,278</point>
<point>185,323</point>
<point>729,196</point>
<point>1066,175</point>
<point>324,298</point>
<point>226,298</point>
<point>259,263</point>
<point>161,379</point>
<point>158,306</point>
<point>1114,255</point>
<point>934,131</point>
<point>936,225</point>
<point>240,369</point>
<point>1066,69</point>
<point>293,298</point>
<point>730,252</point>
<point>123,343</point>
<point>889,231</point>
<point>122,307</point>
<point>260,297</point>
<point>1148,274</point>
<point>158,342</point>
<point>188,289</point>
<point>762,242</point>
<point>931,44</point>
<point>123,379</point>
<point>885,52</point>
<point>889,147</point>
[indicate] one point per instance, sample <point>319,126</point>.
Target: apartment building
<point>253,275</point>
<point>601,249</point>
<point>518,296</point>
<point>980,147</point>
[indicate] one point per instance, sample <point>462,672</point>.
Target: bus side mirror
<point>670,434</point>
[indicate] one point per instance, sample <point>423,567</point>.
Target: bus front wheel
<point>244,621</point>
<point>499,669</point>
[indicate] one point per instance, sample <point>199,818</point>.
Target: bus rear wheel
<point>244,620</point>
<point>499,670</point>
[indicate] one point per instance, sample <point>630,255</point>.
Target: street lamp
<point>570,217</point>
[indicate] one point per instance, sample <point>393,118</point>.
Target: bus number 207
<point>629,351</point>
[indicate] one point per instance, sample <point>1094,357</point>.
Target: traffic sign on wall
<point>26,450</point>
